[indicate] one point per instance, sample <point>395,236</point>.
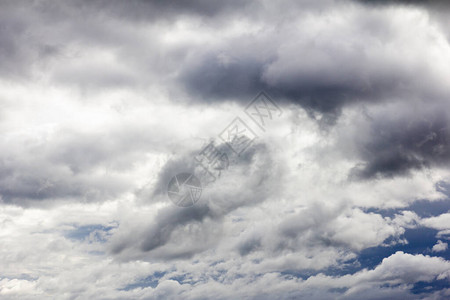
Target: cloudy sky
<point>343,193</point>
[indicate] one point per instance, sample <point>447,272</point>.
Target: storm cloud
<point>341,194</point>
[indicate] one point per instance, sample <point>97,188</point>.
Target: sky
<point>328,122</point>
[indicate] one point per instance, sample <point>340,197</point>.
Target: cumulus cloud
<point>440,246</point>
<point>396,144</point>
<point>102,103</point>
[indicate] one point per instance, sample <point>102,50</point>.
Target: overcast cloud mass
<point>343,194</point>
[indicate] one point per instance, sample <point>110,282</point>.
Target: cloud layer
<point>343,195</point>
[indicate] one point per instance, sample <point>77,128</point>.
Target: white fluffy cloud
<point>440,247</point>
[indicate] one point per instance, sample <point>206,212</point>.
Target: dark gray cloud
<point>250,180</point>
<point>426,3</point>
<point>323,74</point>
<point>21,49</point>
<point>402,141</point>
<point>144,10</point>
<point>323,89</point>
